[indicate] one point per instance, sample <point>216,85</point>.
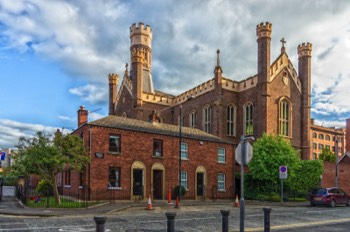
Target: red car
<point>329,196</point>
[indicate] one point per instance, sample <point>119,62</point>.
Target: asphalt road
<point>196,218</point>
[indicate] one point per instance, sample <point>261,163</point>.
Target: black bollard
<point>100,223</point>
<point>224,214</point>
<point>171,221</point>
<point>267,212</point>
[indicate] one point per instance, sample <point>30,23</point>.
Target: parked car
<point>329,196</point>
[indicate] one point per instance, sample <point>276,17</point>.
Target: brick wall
<point>328,177</point>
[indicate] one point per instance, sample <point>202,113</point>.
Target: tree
<point>327,155</point>
<point>45,156</point>
<point>269,153</point>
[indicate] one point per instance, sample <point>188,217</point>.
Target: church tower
<point>141,61</point>
<point>263,32</point>
<point>304,69</point>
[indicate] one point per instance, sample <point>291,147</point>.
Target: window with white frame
<point>192,119</point>
<point>284,118</point>
<point>184,179</point>
<point>207,118</point>
<point>114,143</point>
<point>231,120</point>
<point>221,155</point>
<point>114,177</point>
<point>221,182</point>
<point>184,151</point>
<point>248,119</point>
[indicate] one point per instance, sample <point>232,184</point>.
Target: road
<point>191,219</point>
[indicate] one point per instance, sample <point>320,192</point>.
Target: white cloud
<point>11,131</point>
<point>91,93</point>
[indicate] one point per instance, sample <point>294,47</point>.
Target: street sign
<point>248,152</point>
<point>3,154</point>
<point>283,172</point>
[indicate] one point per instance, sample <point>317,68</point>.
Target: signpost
<point>283,175</point>
<point>244,153</point>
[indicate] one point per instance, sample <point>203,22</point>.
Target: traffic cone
<point>236,202</point>
<point>149,205</point>
<point>169,197</point>
<point>177,203</point>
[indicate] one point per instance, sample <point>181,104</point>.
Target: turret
<point>113,85</point>
<point>304,69</point>
<point>263,32</point>
<point>141,61</point>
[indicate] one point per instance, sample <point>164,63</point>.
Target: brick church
<point>276,100</point>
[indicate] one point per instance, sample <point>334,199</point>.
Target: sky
<point>56,55</point>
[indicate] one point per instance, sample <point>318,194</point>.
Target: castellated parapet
<point>264,30</point>
<point>113,79</point>
<point>304,49</point>
<point>141,34</point>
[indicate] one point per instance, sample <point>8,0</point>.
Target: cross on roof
<point>283,42</point>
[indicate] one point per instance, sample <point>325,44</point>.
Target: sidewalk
<point>11,206</point>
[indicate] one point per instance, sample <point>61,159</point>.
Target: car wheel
<point>332,203</point>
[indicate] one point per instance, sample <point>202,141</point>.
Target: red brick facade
<point>329,173</point>
<point>136,153</point>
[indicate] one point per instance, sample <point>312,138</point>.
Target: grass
<point>65,203</point>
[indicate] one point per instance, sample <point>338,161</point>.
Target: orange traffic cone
<point>236,202</point>
<point>149,206</point>
<point>169,197</point>
<point>177,203</point>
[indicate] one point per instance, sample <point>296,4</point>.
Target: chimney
<point>82,116</point>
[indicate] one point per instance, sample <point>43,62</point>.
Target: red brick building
<point>343,173</point>
<point>276,100</point>
<point>132,158</point>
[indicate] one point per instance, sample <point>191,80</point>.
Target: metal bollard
<point>225,214</point>
<point>100,223</point>
<point>267,212</point>
<point>171,221</point>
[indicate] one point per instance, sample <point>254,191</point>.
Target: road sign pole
<point>282,191</point>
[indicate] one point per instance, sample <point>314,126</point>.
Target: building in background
<point>5,158</point>
<point>274,101</point>
<point>331,138</point>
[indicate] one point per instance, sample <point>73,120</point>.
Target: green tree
<point>308,175</point>
<point>45,156</point>
<point>269,153</point>
<point>327,155</point>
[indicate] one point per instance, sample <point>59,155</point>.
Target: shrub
<point>183,191</point>
<point>44,188</point>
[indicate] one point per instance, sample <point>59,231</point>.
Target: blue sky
<point>56,55</point>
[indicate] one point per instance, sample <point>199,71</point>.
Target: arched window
<point>248,119</point>
<point>315,135</point>
<point>321,136</point>
<point>328,137</point>
<point>284,118</point>
<point>231,120</point>
<point>192,119</point>
<point>207,118</point>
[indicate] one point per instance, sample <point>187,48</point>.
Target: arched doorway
<point>138,180</point>
<point>201,183</point>
<point>158,181</point>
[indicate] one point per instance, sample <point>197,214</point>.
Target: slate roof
<point>117,122</point>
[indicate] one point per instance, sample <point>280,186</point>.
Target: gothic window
<point>231,120</point>
<point>248,119</point>
<point>284,118</point>
<point>207,118</point>
<point>192,119</point>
